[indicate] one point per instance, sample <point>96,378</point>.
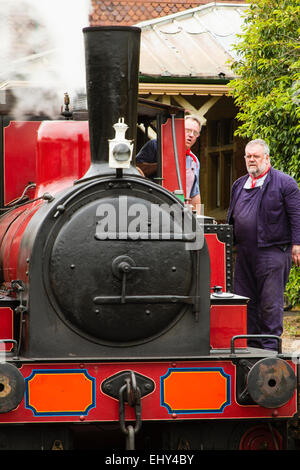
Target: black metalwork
<point>271,382</point>
<point>131,393</point>
<point>12,387</point>
<point>112,65</point>
<point>13,342</point>
<point>224,233</point>
<point>243,366</point>
<point>111,386</point>
<point>234,338</point>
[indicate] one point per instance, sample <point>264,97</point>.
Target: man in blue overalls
<point>265,213</point>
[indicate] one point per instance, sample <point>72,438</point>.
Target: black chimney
<point>112,69</point>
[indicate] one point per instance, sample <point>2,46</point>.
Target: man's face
<point>192,132</point>
<point>256,160</point>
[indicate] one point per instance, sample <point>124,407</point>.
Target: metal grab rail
<point>279,340</point>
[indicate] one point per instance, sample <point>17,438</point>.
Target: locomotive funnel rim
<point>111,28</point>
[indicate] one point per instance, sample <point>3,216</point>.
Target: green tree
<point>267,88</point>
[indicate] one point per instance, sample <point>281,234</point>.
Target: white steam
<point>42,52</point>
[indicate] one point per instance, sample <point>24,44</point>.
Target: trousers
<point>261,275</point>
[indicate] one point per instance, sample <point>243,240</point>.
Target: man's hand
<point>196,203</point>
<point>296,254</point>
<point>147,168</point>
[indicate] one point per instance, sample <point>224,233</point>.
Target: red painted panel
<point>168,160</point>
<point>6,327</point>
<point>19,158</point>
<point>52,392</point>
<point>192,389</point>
<point>217,260</point>
<point>63,154</point>
<point>53,154</point>
<point>227,321</point>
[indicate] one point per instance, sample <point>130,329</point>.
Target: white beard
<point>256,171</point>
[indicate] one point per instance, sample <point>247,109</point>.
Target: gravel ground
<point>290,344</point>
<point>291,332</point>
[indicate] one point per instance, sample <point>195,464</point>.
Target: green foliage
<point>293,287</point>
<point>267,88</point>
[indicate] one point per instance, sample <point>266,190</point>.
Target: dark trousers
<point>261,274</point>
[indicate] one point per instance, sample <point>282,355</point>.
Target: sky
<point>45,49</point>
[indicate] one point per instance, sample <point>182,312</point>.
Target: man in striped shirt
<point>146,160</point>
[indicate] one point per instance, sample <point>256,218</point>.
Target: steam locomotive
<point>118,325</point>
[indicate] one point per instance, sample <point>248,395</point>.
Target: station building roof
<point>195,43</point>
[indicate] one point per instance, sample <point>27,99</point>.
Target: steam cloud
<point>42,53</point>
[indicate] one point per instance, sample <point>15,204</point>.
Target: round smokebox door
<point>112,277</point>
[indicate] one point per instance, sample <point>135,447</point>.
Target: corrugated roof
<point>195,43</point>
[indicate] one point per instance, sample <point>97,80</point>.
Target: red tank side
<point>9,249</point>
<point>63,155</point>
<point>59,156</point>
<point>20,141</point>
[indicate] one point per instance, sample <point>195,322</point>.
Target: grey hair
<point>260,142</point>
<point>194,118</point>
